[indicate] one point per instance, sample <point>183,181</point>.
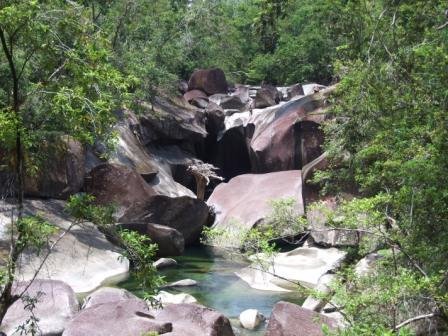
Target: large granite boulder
<point>121,186</point>
<point>197,98</point>
<point>60,173</point>
<point>211,81</point>
<point>266,96</point>
<point>169,120</point>
<point>185,214</point>
<point>287,136</point>
<point>170,242</point>
<point>56,305</point>
<point>83,257</point>
<point>128,317</point>
<point>107,295</point>
<point>232,102</point>
<point>194,320</point>
<point>304,265</point>
<point>288,319</point>
<point>244,201</point>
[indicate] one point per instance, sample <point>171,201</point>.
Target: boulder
<point>169,120</point>
<point>215,119</point>
<point>244,201</point>
<point>166,298</point>
<point>294,91</point>
<point>286,136</point>
<point>170,242</point>
<point>211,81</point>
<point>367,265</point>
<point>107,295</point>
<point>251,319</point>
<point>164,263</point>
<point>227,102</point>
<point>128,317</point>
<point>83,258</point>
<point>185,214</point>
<point>243,92</point>
<point>197,98</point>
<point>309,89</point>
<point>194,320</point>
<point>304,265</point>
<point>322,234</point>
<point>56,305</point>
<point>323,287</point>
<point>181,283</point>
<point>61,172</point>
<point>288,319</point>
<point>121,186</point>
<point>266,96</point>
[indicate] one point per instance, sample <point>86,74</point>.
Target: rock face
<point>245,200</point>
<point>56,305</point>
<point>107,295</point>
<point>211,81</point>
<point>129,151</point>
<point>185,214</point>
<point>121,186</point>
<point>61,173</point>
<point>267,96</point>
<point>304,265</point>
<point>83,258</point>
<point>128,317</point>
<point>194,320</point>
<point>287,136</point>
<point>170,242</point>
<point>288,319</point>
<point>171,120</point>
<point>251,319</point>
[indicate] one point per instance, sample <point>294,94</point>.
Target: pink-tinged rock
<point>128,317</point>
<point>288,319</point>
<point>189,319</point>
<point>194,96</point>
<point>288,136</point>
<point>245,200</point>
<point>56,305</point>
<point>210,81</point>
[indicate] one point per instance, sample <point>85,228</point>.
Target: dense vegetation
<point>66,65</point>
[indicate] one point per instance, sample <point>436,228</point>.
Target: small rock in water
<point>164,262</point>
<point>251,319</point>
<point>168,298</point>
<point>181,283</point>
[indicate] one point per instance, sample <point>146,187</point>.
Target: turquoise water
<point>218,286</point>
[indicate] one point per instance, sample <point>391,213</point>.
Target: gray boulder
<point>107,295</point>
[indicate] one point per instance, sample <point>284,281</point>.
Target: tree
<point>56,80</point>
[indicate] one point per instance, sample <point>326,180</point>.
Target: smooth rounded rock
<point>181,283</point>
<point>251,319</point>
<point>166,298</point>
<point>107,295</point>
<point>164,262</point>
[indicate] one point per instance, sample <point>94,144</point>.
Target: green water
<point>218,287</point>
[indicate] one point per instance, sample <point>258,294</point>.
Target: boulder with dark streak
<point>266,96</point>
<point>288,136</point>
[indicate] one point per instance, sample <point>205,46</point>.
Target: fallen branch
<point>415,319</point>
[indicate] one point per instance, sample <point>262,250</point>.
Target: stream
<point>218,287</point>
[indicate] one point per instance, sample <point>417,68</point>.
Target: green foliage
<point>141,252</point>
<point>35,232</point>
